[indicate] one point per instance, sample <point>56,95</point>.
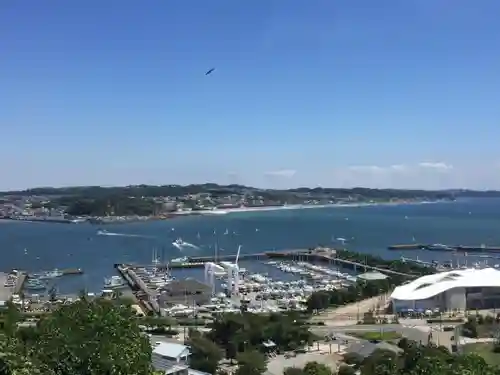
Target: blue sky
<point>333,93</point>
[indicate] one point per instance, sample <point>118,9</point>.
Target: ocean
<point>371,229</point>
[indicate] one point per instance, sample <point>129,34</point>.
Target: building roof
<point>187,286</point>
<point>171,350</point>
<point>196,372</point>
<point>366,348</point>
<point>373,275</point>
<point>432,285</point>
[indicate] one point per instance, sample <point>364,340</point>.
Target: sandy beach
<point>224,211</point>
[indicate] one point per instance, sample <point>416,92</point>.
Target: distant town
<point>100,205</point>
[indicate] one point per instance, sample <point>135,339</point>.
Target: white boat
<point>114,282</point>
<point>179,260</point>
<point>51,274</point>
<point>180,244</point>
<point>102,232</point>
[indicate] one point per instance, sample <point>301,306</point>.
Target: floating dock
<point>446,248</point>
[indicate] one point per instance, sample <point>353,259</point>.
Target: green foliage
<point>205,355</point>
<point>251,362</point>
<point>346,370</point>
<point>315,368</point>
<point>237,332</point>
<point>418,359</point>
<point>92,338</point>
<point>115,205</point>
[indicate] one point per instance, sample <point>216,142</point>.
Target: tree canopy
<point>84,338</point>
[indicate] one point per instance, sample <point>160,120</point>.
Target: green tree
<point>346,370</point>
<point>205,354</point>
<point>316,368</point>
<point>92,338</point>
<point>9,319</point>
<point>251,363</point>
<point>13,360</point>
<point>381,362</point>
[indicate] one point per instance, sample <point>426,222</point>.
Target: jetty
<point>446,248</point>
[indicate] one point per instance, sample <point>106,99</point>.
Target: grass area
<point>376,335</point>
<point>485,350</point>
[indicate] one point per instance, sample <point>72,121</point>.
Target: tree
<point>251,363</point>
<point>354,359</point>
<point>12,359</point>
<point>90,338</point>
<point>316,368</point>
<point>205,354</point>
<point>380,362</point>
<point>346,370</point>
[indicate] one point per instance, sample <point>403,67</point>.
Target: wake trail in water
<point>112,234</point>
<point>183,245</point>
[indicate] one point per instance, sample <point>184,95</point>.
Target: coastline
<point>217,212</point>
<point>225,211</point>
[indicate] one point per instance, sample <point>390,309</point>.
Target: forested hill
<point>212,188</point>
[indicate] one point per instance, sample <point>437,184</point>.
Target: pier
<point>307,255</point>
<point>446,248</point>
<point>145,296</point>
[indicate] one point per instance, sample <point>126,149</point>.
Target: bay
<point>39,246</point>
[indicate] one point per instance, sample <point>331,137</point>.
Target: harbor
<point>228,286</point>
<point>19,282</point>
<point>319,254</point>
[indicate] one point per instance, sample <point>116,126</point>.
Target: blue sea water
<point>39,246</point>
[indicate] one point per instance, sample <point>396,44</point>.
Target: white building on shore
<point>463,289</point>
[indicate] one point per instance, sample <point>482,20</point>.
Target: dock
<point>306,255</point>
<point>149,297</point>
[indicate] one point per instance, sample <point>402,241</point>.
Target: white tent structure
<point>233,274</point>
<point>459,289</point>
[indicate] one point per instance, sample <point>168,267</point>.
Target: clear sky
<point>382,93</point>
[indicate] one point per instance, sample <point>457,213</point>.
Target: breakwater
<point>446,248</point>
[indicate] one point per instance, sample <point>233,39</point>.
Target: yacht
<point>34,284</point>
<point>50,274</point>
<point>179,260</point>
<point>179,243</point>
<point>114,282</point>
<point>102,232</point>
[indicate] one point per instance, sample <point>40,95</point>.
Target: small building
<point>366,348</point>
<point>173,359</point>
<point>187,292</point>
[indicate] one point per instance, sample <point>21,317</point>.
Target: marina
<point>228,288</point>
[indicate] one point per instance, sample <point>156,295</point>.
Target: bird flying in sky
<point>209,71</point>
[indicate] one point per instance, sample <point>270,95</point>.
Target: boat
<point>440,247</point>
<point>180,244</point>
<point>50,275</point>
<point>114,282</point>
<point>34,284</point>
<point>179,260</point>
<point>102,232</point>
